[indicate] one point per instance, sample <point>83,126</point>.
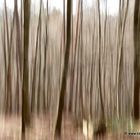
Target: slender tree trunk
<point>75,48</point>
<point>8,105</point>
<point>5,58</point>
<point>39,57</point>
<point>18,58</point>
<point>64,24</point>
<point>121,31</point>
<point>71,68</point>
<point>25,87</point>
<point>64,76</point>
<point>102,123</point>
<point>45,57</point>
<point>7,26</point>
<point>35,66</point>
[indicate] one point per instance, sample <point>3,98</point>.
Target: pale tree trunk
<point>45,57</point>
<point>102,122</point>
<point>39,57</point>
<point>8,96</point>
<point>121,31</point>
<point>18,58</point>
<point>81,62</point>
<point>35,65</point>
<point>75,48</point>
<point>5,58</point>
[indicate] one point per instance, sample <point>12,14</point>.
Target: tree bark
<point>25,87</point>
<point>136,59</point>
<point>102,123</point>
<point>64,76</point>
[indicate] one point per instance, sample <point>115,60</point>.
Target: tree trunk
<point>102,123</point>
<point>39,58</point>
<point>35,66</point>
<point>45,57</point>
<point>18,58</point>
<point>136,59</point>
<point>64,76</point>
<point>25,87</point>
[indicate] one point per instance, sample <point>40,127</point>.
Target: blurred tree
<point>25,87</point>
<point>65,71</point>
<point>8,95</point>
<point>39,59</point>
<point>35,62</point>
<point>18,57</point>
<point>45,57</point>
<point>136,59</point>
<point>101,130</point>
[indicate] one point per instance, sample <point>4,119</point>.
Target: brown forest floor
<point>41,130</point>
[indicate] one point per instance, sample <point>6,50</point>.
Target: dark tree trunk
<point>65,70</point>
<point>136,59</point>
<point>25,87</point>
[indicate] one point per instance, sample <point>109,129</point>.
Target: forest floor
<point>10,129</point>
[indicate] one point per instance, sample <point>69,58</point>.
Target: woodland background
<point>72,70</point>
